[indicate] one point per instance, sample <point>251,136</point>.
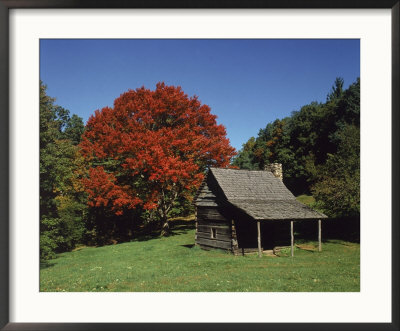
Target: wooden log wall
<point>210,223</point>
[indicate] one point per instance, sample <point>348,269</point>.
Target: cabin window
<point>213,233</point>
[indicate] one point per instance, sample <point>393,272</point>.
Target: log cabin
<point>248,210</point>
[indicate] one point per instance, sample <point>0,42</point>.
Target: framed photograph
<point>199,163</point>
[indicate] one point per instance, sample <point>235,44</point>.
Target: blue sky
<point>246,82</point>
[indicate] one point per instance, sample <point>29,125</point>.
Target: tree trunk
<point>164,207</point>
<point>165,229</point>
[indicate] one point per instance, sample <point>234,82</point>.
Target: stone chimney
<point>276,169</point>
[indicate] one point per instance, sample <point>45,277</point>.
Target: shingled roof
<point>260,195</point>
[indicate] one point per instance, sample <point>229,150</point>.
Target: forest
<point>137,164</point>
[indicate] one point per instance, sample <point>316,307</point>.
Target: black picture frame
<point>6,5</point>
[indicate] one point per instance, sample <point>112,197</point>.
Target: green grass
<point>306,199</point>
<point>172,264</point>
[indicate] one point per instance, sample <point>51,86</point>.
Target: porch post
<point>259,239</point>
<point>319,236</point>
<point>291,239</point>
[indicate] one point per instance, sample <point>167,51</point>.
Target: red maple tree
<point>151,148</point>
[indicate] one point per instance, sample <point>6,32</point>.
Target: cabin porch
<point>266,236</point>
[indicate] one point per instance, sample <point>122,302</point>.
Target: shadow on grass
<point>46,264</point>
<point>177,227</point>
<point>188,246</point>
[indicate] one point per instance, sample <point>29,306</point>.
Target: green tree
<point>62,204</point>
<point>74,129</point>
<point>337,89</point>
<point>337,191</point>
<point>245,159</point>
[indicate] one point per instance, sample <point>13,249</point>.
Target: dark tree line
<point>319,148</point>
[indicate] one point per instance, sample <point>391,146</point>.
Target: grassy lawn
<point>174,264</point>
